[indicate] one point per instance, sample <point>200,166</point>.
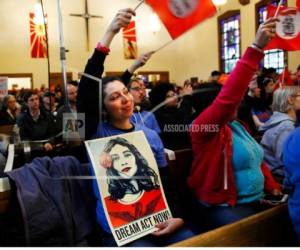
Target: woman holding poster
<point>117,103</point>
<point>133,186</point>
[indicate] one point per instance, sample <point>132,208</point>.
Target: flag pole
<point>164,45</point>
<point>63,61</point>
<point>278,8</point>
<point>283,76</point>
<point>140,3</point>
<point>62,54</point>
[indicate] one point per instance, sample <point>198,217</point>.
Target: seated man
<point>49,103</point>
<point>71,108</point>
<point>34,123</point>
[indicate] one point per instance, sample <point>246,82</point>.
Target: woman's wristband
<point>102,49</point>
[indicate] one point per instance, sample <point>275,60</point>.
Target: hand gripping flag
<point>179,16</point>
<point>287,30</point>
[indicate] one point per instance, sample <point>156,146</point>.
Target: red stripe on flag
<point>129,41</point>
<point>37,38</point>
<point>285,78</point>
<point>129,32</point>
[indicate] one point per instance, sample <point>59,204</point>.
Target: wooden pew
<point>6,129</point>
<point>271,227</point>
<point>4,201</point>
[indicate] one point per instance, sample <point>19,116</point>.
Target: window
<point>229,40</point>
<point>274,58</point>
<point>18,80</point>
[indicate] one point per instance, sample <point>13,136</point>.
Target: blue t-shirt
<point>147,119</point>
<point>106,130</point>
<point>246,160</point>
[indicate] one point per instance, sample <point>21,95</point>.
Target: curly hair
<point>147,178</point>
<point>159,93</point>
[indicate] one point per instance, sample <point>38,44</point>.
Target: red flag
<point>285,78</point>
<point>179,16</point>
<point>287,30</point>
<point>37,38</point>
<point>129,41</point>
<point>298,4</point>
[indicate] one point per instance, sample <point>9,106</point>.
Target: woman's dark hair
<point>265,99</point>
<point>147,178</point>
<point>204,95</point>
<point>215,73</point>
<point>108,79</point>
<point>105,81</point>
<point>266,81</point>
<point>159,92</point>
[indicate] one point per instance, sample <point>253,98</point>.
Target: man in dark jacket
<point>35,124</point>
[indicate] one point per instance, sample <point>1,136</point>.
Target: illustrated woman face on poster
<point>128,172</point>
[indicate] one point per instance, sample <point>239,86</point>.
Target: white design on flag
<point>183,8</point>
<point>289,25</point>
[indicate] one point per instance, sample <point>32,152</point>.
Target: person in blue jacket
<point>141,116</point>
<point>291,160</point>
<point>286,102</point>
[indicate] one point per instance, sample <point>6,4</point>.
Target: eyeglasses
<point>137,89</point>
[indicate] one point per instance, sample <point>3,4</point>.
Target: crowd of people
<point>242,133</point>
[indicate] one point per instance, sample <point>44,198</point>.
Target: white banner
<point>3,86</point>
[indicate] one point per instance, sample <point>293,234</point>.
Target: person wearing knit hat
<point>291,160</point>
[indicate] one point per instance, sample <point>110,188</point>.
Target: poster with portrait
<point>129,185</point>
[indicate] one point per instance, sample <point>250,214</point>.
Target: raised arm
<point>139,62</point>
<point>88,89</point>
<point>223,108</point>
